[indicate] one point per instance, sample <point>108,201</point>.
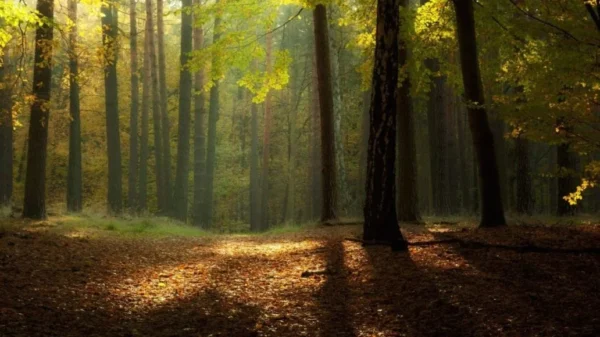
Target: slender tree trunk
<point>364,147</point>
<point>264,203</point>
<point>381,221</point>
<point>492,211</point>
<point>328,157</point>
<point>133,117</point>
<point>161,194</point>
<point>6,131</point>
<point>199,135</point>
<point>462,159</point>
<point>144,132</point>
<point>315,143</point>
<point>74,176</point>
<point>408,199</point>
<point>34,205</point>
<point>164,111</point>
<point>254,172</point>
<point>180,191</point>
<point>290,205</point>
<point>213,116</point>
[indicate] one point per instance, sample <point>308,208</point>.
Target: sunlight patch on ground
<point>253,248</point>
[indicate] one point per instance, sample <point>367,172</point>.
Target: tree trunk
<point>133,120</point>
<point>113,140</point>
<point>213,116</point>
<point>337,112</point>
<point>328,157</point>
<point>180,191</point>
<point>254,172</point>
<point>144,132</point>
<point>161,195</point>
<point>381,221</point>
<point>264,203</point>
<point>315,144</point>
<point>164,99</point>
<point>74,176</point>
<point>199,135</point>
<point>6,132</point>
<point>408,200</point>
<point>364,147</point>
<point>492,211</point>
<point>34,205</point>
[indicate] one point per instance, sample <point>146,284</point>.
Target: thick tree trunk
<point>213,116</point>
<point>132,198</point>
<point>164,111</point>
<point>74,176</point>
<point>344,197</point>
<point>180,191</point>
<point>6,132</point>
<point>381,221</point>
<point>144,130</point>
<point>34,205</point>
<point>161,195</point>
<point>113,140</point>
<point>492,211</point>
<point>408,199</point>
<point>199,134</point>
<point>328,156</point>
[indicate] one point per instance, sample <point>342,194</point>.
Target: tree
<point>133,117</point>
<point>328,158</point>
<point>144,128</point>
<point>161,193</point>
<point>74,175</point>
<point>213,116</point>
<point>34,205</point>
<point>492,211</point>
<point>6,131</point>
<point>408,201</point>
<point>110,43</point>
<point>255,225</point>
<point>268,121</point>
<point>316,194</point>
<point>381,221</point>
<point>180,191</point>
<point>199,135</point>
<point>164,111</point>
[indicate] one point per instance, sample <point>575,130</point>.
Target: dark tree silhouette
<point>132,197</point>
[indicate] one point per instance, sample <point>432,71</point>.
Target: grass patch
<point>99,225</point>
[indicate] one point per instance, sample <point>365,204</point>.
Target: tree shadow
<point>543,293</point>
<point>408,299</point>
<point>332,298</point>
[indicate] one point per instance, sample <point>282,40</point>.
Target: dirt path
<point>312,283</point>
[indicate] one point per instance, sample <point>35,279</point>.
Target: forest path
<point>311,283</point>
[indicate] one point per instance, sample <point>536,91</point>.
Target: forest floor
<point>312,282</point>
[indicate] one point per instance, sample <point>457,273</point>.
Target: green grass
<point>132,226</point>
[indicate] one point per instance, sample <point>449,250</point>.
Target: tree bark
<point>328,156</point>
<point>180,191</point>
<point>113,140</point>
<point>144,129</point>
<point>133,117</point>
<point>74,176</point>
<point>381,221</point>
<point>6,131</point>
<point>408,199</point>
<point>164,111</point>
<point>34,205</point>
<point>268,121</point>
<point>315,144</point>
<point>523,176</point>
<point>199,134</point>
<point>492,211</point>
<point>254,172</point>
<point>213,116</point>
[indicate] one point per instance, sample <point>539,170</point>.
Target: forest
<point>299,168</point>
